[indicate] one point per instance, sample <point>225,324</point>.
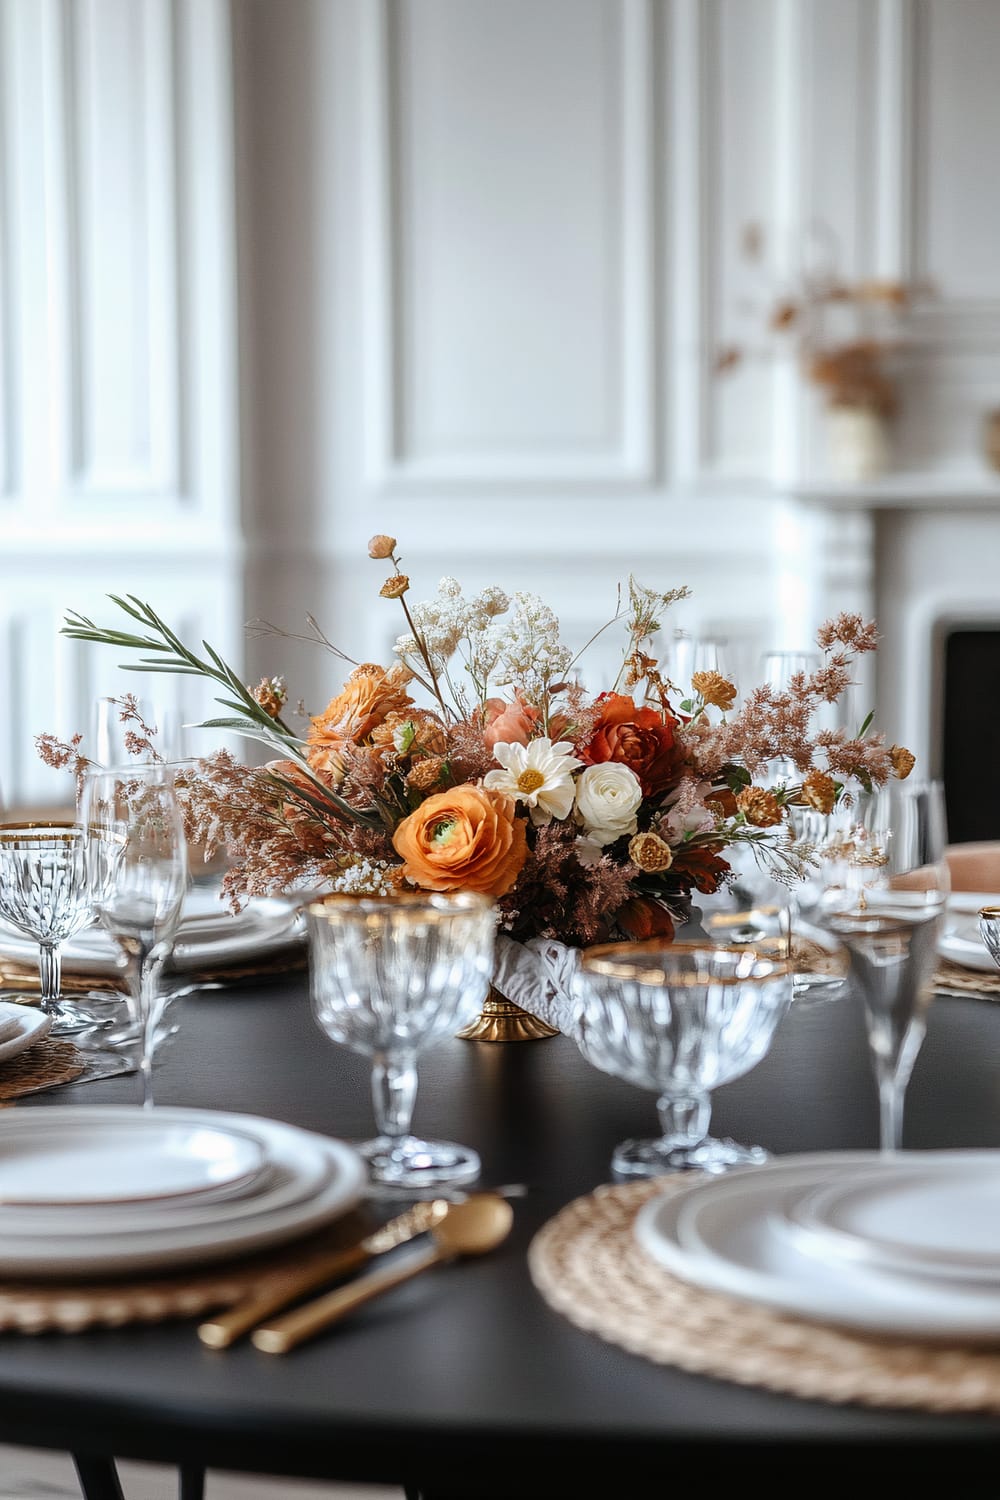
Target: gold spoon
<point>470,1228</point>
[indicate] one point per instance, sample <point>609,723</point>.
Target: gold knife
<point>284,1287</point>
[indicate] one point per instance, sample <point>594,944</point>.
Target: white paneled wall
<point>118,356</point>
<point>483,256</point>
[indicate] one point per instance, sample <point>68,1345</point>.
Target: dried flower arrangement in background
<point>844,331</point>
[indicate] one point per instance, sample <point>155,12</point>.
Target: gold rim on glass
<point>626,961</point>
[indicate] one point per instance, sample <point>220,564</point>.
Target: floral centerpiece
<point>479,760</point>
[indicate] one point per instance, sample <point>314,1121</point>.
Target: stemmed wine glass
<point>885,901</point>
<point>139,892</point>
<point>680,1019</point>
<point>391,977</point>
<point>47,892</point>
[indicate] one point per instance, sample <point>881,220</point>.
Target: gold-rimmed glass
<point>680,1019</point>
<point>47,894</point>
<point>392,977</point>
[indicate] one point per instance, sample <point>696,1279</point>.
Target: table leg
<point>98,1478</point>
<point>192,1482</point>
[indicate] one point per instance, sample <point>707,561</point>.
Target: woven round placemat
<point>45,1063</point>
<point>72,1306</point>
<point>588,1265</point>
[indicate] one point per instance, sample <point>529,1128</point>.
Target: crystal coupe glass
<point>392,977</point>
<point>679,1019</point>
<point>47,893</point>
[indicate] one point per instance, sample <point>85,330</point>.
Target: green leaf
<point>737,777</point>
<point>865,726</point>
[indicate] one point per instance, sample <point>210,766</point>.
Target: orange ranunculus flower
<point>643,917</point>
<point>463,839</point>
<point>640,738</point>
<point>509,723</point>
<point>368,696</point>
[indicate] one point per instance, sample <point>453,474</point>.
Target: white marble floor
<point>31,1474</point>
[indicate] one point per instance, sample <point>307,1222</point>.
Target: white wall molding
<point>631,460</point>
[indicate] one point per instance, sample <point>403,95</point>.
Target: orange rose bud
<point>427,773</point>
<point>819,791</point>
<point>381,546</point>
<point>395,587</point>
<point>463,839</point>
<point>759,806</point>
<point>903,761</point>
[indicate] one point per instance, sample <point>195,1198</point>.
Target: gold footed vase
<point>500,1020</point>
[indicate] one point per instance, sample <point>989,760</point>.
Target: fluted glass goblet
<point>392,977</point>
<point>139,897</point>
<point>47,893</point>
<point>885,901</point>
<point>679,1019</point>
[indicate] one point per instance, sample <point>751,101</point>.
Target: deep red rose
<point>694,865</point>
<point>643,917</point>
<point>640,738</point>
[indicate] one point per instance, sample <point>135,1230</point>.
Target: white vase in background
<point>858,444</point>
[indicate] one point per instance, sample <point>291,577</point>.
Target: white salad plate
<point>734,1233</point>
<point>26,1024</point>
<point>939,1217</point>
<point>233,1230</point>
<point>295,1170</point>
<point>209,934</point>
<point>92,1155</point>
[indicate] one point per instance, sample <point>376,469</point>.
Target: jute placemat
<point>588,1266</point>
<point>72,1306</point>
<point>42,1065</point>
<point>951,976</point>
<point>23,976</point>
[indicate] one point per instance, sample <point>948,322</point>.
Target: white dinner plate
<point>296,1169</point>
<point>935,1217</point>
<point>209,935</point>
<point>85,1156</point>
<point>733,1234</point>
<point>88,1254</point>
<point>30,1025</point>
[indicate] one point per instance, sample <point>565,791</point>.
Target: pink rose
<point>511,723</point>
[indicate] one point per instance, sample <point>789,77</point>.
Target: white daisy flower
<point>539,774</point>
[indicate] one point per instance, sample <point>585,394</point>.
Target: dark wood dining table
<point>466,1383</point>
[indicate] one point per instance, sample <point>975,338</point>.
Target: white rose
<point>607,800</point>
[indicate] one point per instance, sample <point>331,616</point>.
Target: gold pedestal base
<point>502,1021</point>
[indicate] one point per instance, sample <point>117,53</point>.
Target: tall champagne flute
<point>47,893</point>
<point>139,899</point>
<point>885,902</point>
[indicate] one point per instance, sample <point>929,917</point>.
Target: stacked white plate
<point>961,940</point>
<point>210,935</point>
<point>905,1244</point>
<point>106,1190</point>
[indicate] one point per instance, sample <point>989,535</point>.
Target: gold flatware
<point>470,1228</point>
<point>285,1287</point>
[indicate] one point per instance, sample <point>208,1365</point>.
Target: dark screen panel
<point>971,737</point>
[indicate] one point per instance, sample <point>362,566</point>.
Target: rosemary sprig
<point>172,656</point>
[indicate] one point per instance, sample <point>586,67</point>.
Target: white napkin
<point>11,1018</point>
<point>538,976</point>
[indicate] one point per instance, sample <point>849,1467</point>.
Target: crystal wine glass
<point>680,1019</point>
<point>391,977</point>
<point>139,898</point>
<point>47,893</point>
<point>885,901</point>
